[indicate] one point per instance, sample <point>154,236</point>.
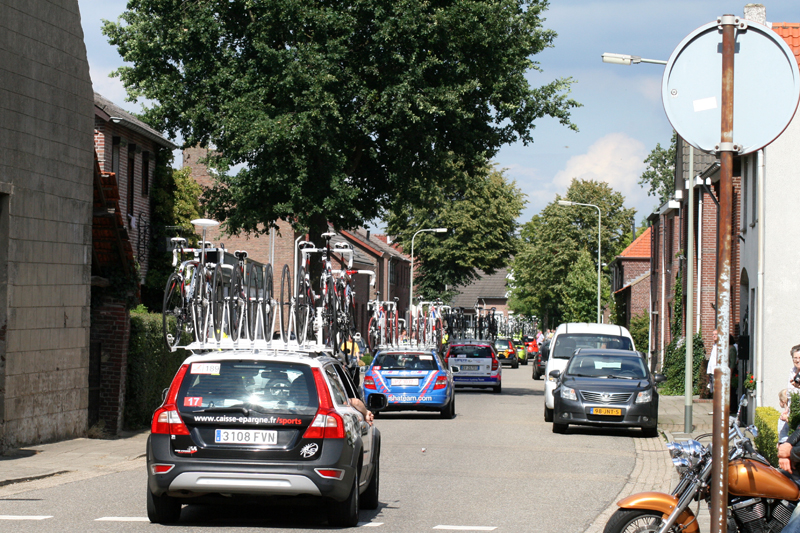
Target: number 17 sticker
<point>193,401</point>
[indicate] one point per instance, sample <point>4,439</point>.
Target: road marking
<point>13,517</point>
<point>370,524</point>
<point>122,519</point>
<point>467,528</point>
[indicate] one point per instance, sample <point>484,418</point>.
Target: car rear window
<point>473,352</point>
<point>405,361</point>
<point>607,366</point>
<point>567,343</point>
<point>267,387</point>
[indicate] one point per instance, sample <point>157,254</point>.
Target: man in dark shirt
<point>789,460</point>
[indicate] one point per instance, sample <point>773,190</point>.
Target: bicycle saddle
<point>328,235</point>
<point>305,244</point>
<point>178,240</point>
<point>240,254</point>
<point>342,246</point>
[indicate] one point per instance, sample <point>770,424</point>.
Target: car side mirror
<point>555,374</point>
<point>455,369</point>
<point>377,402</point>
<point>660,378</point>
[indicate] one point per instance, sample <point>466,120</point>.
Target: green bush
<point>767,441</point>
<point>640,331</point>
<point>151,367</point>
<point>675,365</point>
<point>794,412</point>
<point>366,359</point>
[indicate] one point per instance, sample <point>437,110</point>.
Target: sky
<point>622,118</point>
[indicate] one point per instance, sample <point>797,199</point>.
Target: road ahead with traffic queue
<point>496,466</point>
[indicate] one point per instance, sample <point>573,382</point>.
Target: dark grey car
<point>606,388</point>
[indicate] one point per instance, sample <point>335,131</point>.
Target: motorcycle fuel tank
<point>751,478</point>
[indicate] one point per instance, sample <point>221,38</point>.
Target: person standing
<point>793,386</point>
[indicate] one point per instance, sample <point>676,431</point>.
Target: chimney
<point>756,13</point>
<point>368,234</point>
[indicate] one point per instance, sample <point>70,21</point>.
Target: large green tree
<point>338,110</point>
<point>553,242</point>
<point>659,175</point>
<point>480,215</point>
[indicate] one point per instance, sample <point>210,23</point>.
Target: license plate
<point>470,367</point>
<point>405,382</point>
<point>605,411</point>
<point>245,436</point>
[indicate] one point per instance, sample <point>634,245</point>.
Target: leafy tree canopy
<point>480,215</point>
<point>552,244</point>
<point>660,172</point>
<point>340,110</point>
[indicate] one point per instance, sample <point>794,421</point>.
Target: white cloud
<point>111,88</point>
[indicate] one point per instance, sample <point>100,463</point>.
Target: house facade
<point>630,276</point>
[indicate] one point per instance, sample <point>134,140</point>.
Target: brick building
<point>46,181</point>
<point>484,293</point>
<point>127,147</point>
<point>630,276</point>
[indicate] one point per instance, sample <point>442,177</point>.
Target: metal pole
<point>411,285</point>
<point>598,263</point>
<point>722,373</point>
<point>689,382</point>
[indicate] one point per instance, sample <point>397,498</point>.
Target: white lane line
<point>13,517</point>
<point>122,519</point>
<point>370,524</point>
<point>467,528</point>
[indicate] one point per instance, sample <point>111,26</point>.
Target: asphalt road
<point>496,467</point>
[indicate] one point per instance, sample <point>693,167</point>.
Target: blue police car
<point>412,380</point>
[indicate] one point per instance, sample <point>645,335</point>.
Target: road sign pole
<point>722,373</point>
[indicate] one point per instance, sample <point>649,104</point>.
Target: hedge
<point>151,367</point>
<point>767,441</point>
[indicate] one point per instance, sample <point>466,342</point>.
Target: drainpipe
<point>759,340</point>
<point>663,290</point>
<point>699,256</point>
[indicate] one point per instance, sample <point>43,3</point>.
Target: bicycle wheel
<point>233,296</point>
<point>254,294</point>
<point>173,312</point>
<point>301,306</point>
<point>217,303</point>
<point>195,295</point>
<point>268,306</point>
<point>285,303</point>
<point>372,341</point>
<point>330,318</point>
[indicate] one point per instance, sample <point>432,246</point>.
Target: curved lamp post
<point>411,279</point>
<point>599,264</point>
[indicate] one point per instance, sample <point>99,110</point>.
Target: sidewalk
<point>76,459</point>
<point>653,470</point>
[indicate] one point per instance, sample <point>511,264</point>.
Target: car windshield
<point>471,352</point>
<point>405,361</point>
<point>567,343</point>
<point>607,366</point>
<point>259,386</point>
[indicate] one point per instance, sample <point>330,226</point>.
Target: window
<point>339,394</point>
<point>145,173</point>
<point>131,179</point>
<point>350,388</point>
<point>115,144</point>
<point>566,344</point>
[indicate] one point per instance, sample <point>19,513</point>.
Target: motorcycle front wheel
<point>636,521</point>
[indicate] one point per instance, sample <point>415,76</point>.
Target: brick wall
<point>46,161</point>
<point>139,231</point>
<point>111,327</point>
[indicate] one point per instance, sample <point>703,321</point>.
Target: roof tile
<point>790,31</point>
<point>640,247</point>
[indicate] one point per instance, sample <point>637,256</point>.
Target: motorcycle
<point>761,498</point>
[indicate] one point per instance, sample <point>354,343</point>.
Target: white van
<point>572,336</point>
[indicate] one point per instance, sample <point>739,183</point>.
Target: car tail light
<point>327,424</point>
<point>441,382</point>
<point>166,420</point>
<point>161,468</point>
<point>495,363</point>
<point>330,473</point>
<point>369,383</point>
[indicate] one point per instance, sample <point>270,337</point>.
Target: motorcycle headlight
<point>644,396</point>
<point>686,454</point>
<point>568,394</point>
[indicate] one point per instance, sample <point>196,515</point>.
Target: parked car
<point>412,380</point>
<point>572,336</point>
<point>606,388</point>
<point>506,351</point>
<point>262,424</point>
<point>522,352</point>
<point>477,363</point>
<point>540,359</point>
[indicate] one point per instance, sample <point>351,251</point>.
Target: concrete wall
<point>781,259</point>
<point>46,116</point>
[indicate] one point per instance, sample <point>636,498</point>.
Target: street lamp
<point>625,59</point>
<point>599,264</point>
<point>411,280</point>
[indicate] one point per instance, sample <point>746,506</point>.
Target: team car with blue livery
<point>411,380</point>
